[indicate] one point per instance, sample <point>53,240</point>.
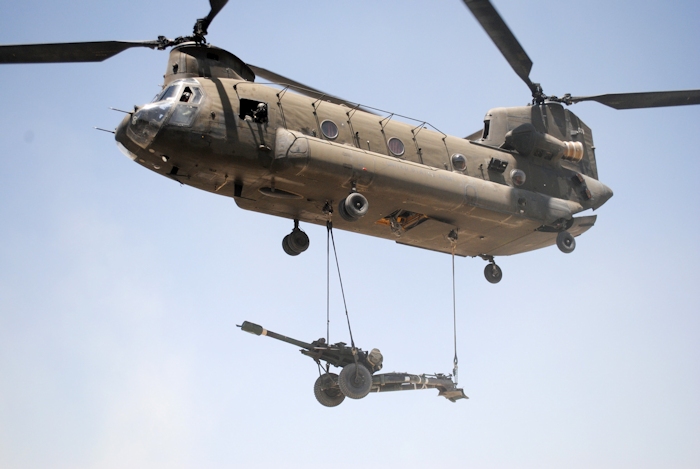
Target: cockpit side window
<point>186,95</point>
<point>186,108</point>
<point>192,95</point>
<point>196,95</point>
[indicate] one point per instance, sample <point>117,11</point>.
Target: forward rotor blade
<point>67,51</point>
<point>303,89</point>
<point>216,6</point>
<point>644,100</point>
<point>503,37</point>
<point>202,25</point>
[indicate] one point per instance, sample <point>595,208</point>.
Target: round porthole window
<point>518,177</point>
<point>329,129</point>
<point>396,146</point>
<point>459,162</point>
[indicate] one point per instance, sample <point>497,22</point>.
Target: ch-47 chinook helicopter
<point>286,149</point>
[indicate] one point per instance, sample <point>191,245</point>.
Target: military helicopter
<point>286,149</point>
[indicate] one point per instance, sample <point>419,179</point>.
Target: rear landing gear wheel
<point>327,391</point>
<point>566,242</point>
<point>493,273</point>
<point>295,242</point>
<point>355,381</point>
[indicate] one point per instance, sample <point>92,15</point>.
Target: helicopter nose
<point>123,141</point>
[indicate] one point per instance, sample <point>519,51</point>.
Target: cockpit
<point>177,105</point>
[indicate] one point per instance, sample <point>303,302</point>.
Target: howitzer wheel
<point>355,381</point>
<point>327,391</point>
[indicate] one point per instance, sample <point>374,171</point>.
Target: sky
<point>120,290</point>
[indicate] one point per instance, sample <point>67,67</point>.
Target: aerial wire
<point>328,283</point>
<point>329,226</point>
<point>454,316</point>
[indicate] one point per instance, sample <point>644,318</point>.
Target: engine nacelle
<point>527,141</point>
<point>547,131</point>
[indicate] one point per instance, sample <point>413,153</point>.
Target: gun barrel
<point>259,330</point>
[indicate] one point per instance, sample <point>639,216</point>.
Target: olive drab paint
<point>282,148</point>
<point>285,165</point>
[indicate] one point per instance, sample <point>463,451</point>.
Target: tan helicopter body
<point>290,165</point>
<point>284,149</point>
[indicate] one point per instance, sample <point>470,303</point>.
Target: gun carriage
<point>357,377</point>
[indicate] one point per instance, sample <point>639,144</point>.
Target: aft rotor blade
<point>303,89</point>
<point>67,51</point>
<point>644,100</point>
<point>503,37</point>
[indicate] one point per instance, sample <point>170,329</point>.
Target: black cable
<point>454,314</point>
<point>329,225</point>
<point>328,284</point>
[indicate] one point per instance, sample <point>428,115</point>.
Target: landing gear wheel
<point>493,273</point>
<point>566,242</point>
<point>353,207</point>
<point>287,249</point>
<point>327,391</point>
<point>355,381</point>
<point>295,242</point>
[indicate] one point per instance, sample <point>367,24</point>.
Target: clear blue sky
<point>120,290</point>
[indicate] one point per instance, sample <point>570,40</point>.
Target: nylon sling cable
<point>454,315</point>
<point>329,225</point>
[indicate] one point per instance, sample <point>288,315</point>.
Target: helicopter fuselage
<point>281,153</point>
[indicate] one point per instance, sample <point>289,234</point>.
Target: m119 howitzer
<point>357,377</point>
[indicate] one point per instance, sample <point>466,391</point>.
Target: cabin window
<point>518,177</point>
<point>396,146</point>
<point>459,162</point>
<point>329,129</point>
<point>255,110</point>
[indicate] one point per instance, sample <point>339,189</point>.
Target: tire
<point>566,242</point>
<point>493,273</point>
<point>298,241</point>
<point>355,381</point>
<point>353,207</point>
<point>327,391</point>
<point>287,248</point>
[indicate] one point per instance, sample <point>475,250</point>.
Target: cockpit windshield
<point>177,105</point>
<point>168,94</point>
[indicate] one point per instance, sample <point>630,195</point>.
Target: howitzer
<point>357,377</point>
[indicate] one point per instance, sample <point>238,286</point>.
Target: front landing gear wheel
<point>355,381</point>
<point>566,242</point>
<point>327,391</point>
<point>493,273</point>
<point>295,242</point>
